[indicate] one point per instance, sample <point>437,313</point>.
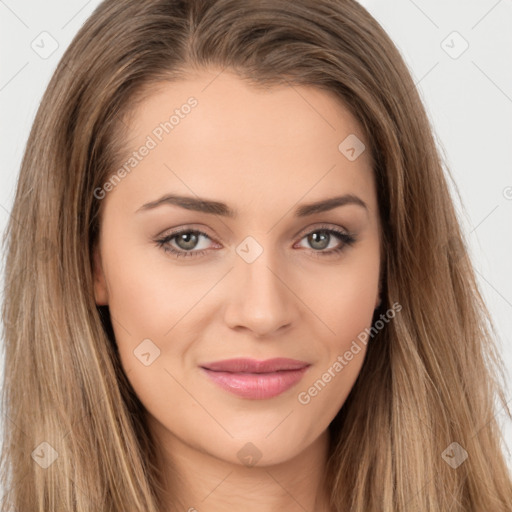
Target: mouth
<point>257,380</point>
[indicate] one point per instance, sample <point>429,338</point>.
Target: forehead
<point>215,135</point>
<point>228,105</point>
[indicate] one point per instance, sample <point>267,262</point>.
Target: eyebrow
<point>218,208</point>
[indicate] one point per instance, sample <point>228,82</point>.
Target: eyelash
<point>346,238</point>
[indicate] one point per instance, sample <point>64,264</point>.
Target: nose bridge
<point>261,301</point>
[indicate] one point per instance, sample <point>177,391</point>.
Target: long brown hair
<point>74,431</point>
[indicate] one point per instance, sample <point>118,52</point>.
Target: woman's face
<point>262,283</point>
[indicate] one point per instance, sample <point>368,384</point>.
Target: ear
<point>100,283</point>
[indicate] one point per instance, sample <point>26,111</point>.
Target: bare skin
<point>263,153</point>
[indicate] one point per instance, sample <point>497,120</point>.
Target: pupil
<point>321,239</point>
<point>188,244</point>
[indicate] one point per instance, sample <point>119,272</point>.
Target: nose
<point>260,298</point>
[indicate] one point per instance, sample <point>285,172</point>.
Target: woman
<point>178,333</point>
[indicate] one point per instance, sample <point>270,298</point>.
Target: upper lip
<point>243,365</point>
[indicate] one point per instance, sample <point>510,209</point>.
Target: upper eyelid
<point>302,233</point>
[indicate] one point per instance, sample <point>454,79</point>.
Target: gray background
<point>467,93</point>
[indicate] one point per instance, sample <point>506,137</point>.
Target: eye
<point>321,238</point>
<point>185,242</point>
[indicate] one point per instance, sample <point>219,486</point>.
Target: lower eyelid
<point>346,239</point>
<point>166,240</point>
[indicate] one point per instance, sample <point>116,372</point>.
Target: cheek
<point>350,308</point>
<point>346,308</point>
<point>158,312</point>
<point>344,298</point>
<point>147,299</point>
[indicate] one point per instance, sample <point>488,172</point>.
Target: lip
<point>254,379</point>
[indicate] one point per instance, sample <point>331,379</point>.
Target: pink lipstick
<point>254,379</point>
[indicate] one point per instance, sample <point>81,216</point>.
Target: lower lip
<point>257,386</point>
